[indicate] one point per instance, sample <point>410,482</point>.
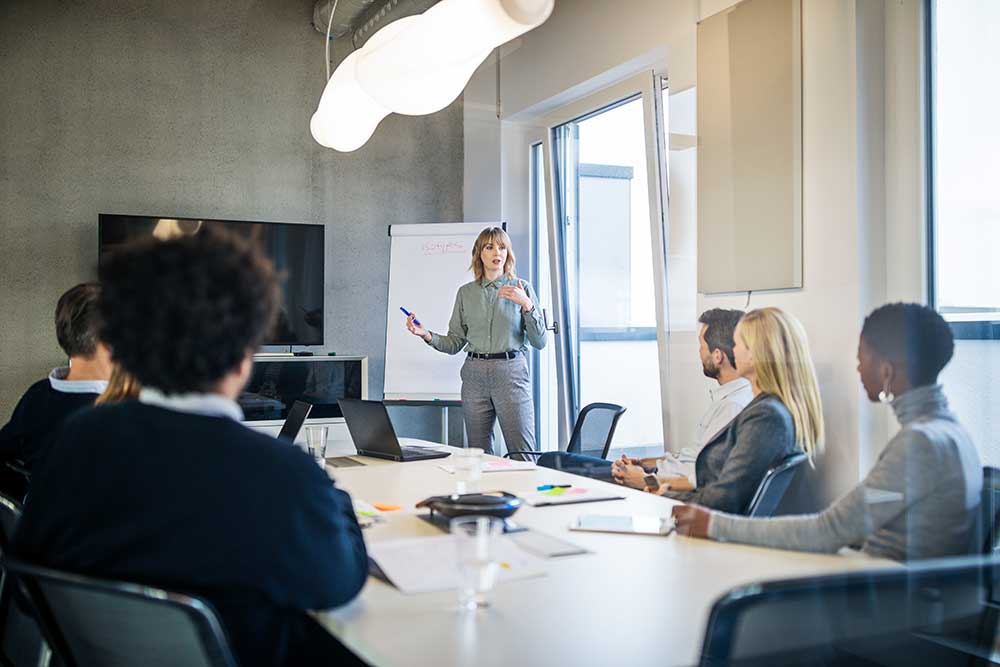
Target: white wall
<point>830,304</point>
<point>861,168</point>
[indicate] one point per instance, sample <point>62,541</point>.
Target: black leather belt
<point>497,355</point>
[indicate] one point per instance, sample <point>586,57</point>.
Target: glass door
<point>607,245</point>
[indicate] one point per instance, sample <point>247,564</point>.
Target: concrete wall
<point>194,108</point>
<point>862,187</point>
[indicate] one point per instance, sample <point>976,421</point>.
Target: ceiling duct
<point>347,13</point>
<point>360,19</point>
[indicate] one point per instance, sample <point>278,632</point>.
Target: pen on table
<point>549,487</point>
<point>407,313</point>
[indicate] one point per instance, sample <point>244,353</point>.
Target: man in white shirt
<point>728,400</point>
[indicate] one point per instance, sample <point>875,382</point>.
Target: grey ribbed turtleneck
<point>919,501</point>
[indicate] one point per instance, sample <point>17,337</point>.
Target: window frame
<point>987,329</point>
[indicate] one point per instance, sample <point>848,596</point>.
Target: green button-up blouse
<point>483,323</point>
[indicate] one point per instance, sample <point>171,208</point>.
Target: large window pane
<point>966,147</point>
<point>606,240</point>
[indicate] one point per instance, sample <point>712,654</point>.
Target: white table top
<point>636,600</point>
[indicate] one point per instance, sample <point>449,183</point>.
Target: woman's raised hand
<point>518,295</point>
<point>416,329</point>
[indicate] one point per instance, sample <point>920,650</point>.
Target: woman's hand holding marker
<point>517,294</point>
<point>413,325</point>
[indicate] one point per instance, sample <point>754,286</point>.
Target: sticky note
<point>382,507</point>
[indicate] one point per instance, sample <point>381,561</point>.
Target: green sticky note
<point>558,491</point>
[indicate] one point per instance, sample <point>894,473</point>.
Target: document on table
<point>569,496</point>
<point>501,465</point>
<point>426,564</point>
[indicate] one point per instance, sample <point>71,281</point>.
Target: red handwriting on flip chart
<point>443,247</point>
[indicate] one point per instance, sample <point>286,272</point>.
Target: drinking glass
<point>476,547</point>
<point>316,441</point>
<point>468,469</point>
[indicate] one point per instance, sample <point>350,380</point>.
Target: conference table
<point>634,599</point>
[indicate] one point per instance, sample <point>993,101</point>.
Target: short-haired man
<point>171,490</point>
<point>45,404</point>
<point>716,350</point>
<point>715,338</point>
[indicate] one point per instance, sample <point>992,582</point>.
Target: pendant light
<point>417,65</point>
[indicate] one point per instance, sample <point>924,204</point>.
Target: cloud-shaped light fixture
<point>417,65</point>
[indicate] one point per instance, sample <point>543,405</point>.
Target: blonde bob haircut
<point>784,369</point>
<point>495,235</point>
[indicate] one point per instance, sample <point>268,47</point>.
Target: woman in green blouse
<point>494,319</point>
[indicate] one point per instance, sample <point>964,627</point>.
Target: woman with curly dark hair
<point>171,490</point>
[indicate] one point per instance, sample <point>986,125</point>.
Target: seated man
<point>48,402</point>
<point>171,490</point>
<point>715,339</point>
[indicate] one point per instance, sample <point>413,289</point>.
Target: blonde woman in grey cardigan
<point>921,498</point>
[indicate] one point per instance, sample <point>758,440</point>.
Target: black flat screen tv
<point>297,251</point>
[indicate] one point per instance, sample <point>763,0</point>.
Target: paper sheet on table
<point>426,564</point>
<point>568,496</point>
<point>503,465</point>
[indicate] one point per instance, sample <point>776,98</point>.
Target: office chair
<point>21,641</point>
<point>592,433</point>
<point>10,512</point>
<point>113,624</point>
<point>14,479</point>
<point>928,613</point>
<point>989,510</point>
<point>774,485</point>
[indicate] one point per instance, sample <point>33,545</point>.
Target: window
<point>605,240</point>
<point>965,220</point>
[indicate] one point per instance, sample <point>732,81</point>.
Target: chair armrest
<point>526,452</point>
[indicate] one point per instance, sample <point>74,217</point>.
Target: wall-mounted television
<point>297,251</point>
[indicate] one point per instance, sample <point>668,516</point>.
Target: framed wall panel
<point>749,98</point>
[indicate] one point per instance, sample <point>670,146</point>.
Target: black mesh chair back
<point>93,622</point>
<point>930,613</point>
<point>772,488</point>
<point>594,429</point>
<point>989,509</point>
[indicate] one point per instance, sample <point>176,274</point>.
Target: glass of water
<point>468,469</point>
<point>476,547</point>
<point>316,435</point>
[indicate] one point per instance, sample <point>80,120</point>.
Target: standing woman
<point>494,319</point>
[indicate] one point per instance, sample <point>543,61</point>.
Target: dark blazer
<point>199,505</point>
<point>732,464</point>
<point>37,415</point>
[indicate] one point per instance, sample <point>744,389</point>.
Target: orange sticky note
<point>382,507</point>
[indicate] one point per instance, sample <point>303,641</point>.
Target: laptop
<point>374,436</point>
<point>293,422</point>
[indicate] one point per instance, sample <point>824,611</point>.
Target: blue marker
<point>407,313</point>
